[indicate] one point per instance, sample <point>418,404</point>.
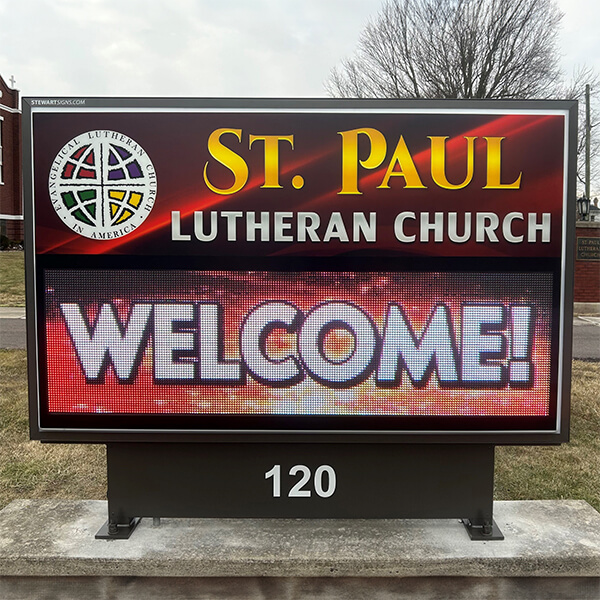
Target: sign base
<point>295,480</point>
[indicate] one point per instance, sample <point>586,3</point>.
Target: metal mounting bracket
<point>487,531</point>
<point>117,531</point>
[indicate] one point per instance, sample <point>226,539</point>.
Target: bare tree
<point>575,90</point>
<point>454,49</point>
<point>467,49</point>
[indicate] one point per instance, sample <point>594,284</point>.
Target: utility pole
<point>588,134</point>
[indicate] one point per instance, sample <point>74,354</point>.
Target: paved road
<point>586,338</point>
<point>586,333</point>
<point>12,328</point>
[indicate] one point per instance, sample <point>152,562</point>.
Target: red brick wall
<point>11,190</point>
<point>587,272</point>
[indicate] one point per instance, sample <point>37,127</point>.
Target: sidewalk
<point>12,312</point>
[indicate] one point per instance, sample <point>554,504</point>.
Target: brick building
<point>11,189</point>
<point>587,262</point>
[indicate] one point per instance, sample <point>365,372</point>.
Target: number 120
<point>324,481</point>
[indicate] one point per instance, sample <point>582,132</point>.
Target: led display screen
<point>329,343</point>
<point>373,269</point>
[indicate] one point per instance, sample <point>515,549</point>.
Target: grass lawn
<point>31,469</point>
<point>556,472</point>
<point>12,285</point>
<point>77,471</point>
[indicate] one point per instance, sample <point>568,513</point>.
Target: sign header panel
<point>294,267</point>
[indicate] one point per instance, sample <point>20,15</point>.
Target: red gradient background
<point>177,145</point>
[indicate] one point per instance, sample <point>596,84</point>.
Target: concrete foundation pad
<point>550,548</point>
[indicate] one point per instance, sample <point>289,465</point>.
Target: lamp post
<point>583,207</point>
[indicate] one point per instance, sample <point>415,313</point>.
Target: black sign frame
<point>562,314</point>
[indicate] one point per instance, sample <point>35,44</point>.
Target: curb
<point>586,308</point>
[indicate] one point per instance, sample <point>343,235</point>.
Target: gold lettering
<point>408,170</point>
<point>228,158</point>
<point>272,156</point>
<point>438,162</point>
<point>494,167</point>
<point>350,159</point>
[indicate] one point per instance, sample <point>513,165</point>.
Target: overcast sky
<point>270,48</point>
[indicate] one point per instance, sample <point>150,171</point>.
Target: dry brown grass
<point>556,472</point>
<point>12,279</point>
<point>30,469</point>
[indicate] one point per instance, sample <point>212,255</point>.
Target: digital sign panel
<point>352,270</point>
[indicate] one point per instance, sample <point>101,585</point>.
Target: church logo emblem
<point>102,185</point>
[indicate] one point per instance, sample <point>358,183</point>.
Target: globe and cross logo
<point>102,184</point>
